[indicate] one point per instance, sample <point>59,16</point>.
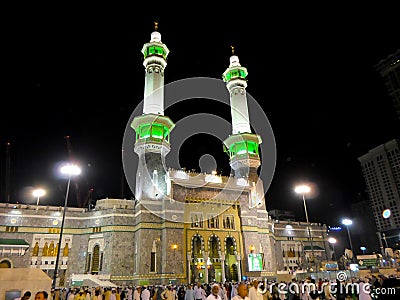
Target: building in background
<point>381,171</point>
<point>364,227</point>
<point>105,242</point>
<point>389,69</point>
<point>282,215</point>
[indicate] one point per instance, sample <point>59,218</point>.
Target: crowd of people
<point>308,289</point>
<point>41,295</point>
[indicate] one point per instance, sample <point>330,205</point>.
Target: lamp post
<point>363,248</point>
<point>333,241</point>
<point>384,238</point>
<point>69,170</point>
<point>347,223</point>
<point>305,189</point>
<point>38,193</point>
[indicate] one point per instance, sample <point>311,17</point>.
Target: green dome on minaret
<point>235,70</point>
<point>155,47</point>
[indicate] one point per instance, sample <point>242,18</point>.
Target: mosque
<point>183,226</point>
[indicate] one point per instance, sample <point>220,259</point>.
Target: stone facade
<point>127,234</point>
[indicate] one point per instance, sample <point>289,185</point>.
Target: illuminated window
<point>213,222</point>
<point>11,228</point>
<point>244,147</point>
<point>252,147</point>
<point>228,222</point>
<point>96,229</point>
<point>154,50</point>
<point>153,262</point>
<point>235,73</point>
<point>144,131</point>
<point>157,131</point>
<point>197,220</point>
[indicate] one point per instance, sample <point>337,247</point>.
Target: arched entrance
<point>231,272</point>
<point>95,259</point>
<point>5,263</point>
<point>214,261</point>
<point>197,264</point>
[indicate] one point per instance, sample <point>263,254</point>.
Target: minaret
<point>155,60</point>
<point>242,145</point>
<point>152,128</point>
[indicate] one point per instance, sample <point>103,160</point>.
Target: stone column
<point>189,260</point>
<point>205,257</point>
<point>239,269</point>
<point>222,256</point>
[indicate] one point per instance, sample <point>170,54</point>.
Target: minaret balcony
<point>243,145</point>
<point>235,73</point>
<point>244,161</point>
<point>153,125</point>
<point>152,132</point>
<point>155,49</point>
<point>152,145</point>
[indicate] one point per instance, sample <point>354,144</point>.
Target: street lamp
<point>69,170</point>
<point>347,223</point>
<point>333,241</point>
<point>305,189</point>
<point>363,248</point>
<point>384,238</point>
<point>386,213</point>
<point>38,193</point>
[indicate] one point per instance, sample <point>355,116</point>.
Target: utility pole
<point>74,181</point>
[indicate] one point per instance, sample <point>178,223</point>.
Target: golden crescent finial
<point>155,25</point>
<point>233,50</point>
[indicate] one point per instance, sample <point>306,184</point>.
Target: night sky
<point>313,74</point>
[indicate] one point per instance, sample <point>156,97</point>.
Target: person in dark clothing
<point>123,294</point>
<point>293,293</point>
<point>314,294</point>
<point>181,293</point>
<point>228,288</point>
<point>340,290</point>
<point>158,293</point>
<point>275,292</point>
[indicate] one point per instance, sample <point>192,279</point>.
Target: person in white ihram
<point>71,295</point>
<point>136,293</point>
<point>242,292</point>
<point>214,293</point>
<point>198,292</point>
<point>113,292</point>
<point>167,293</point>
<point>254,294</point>
<point>145,293</point>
